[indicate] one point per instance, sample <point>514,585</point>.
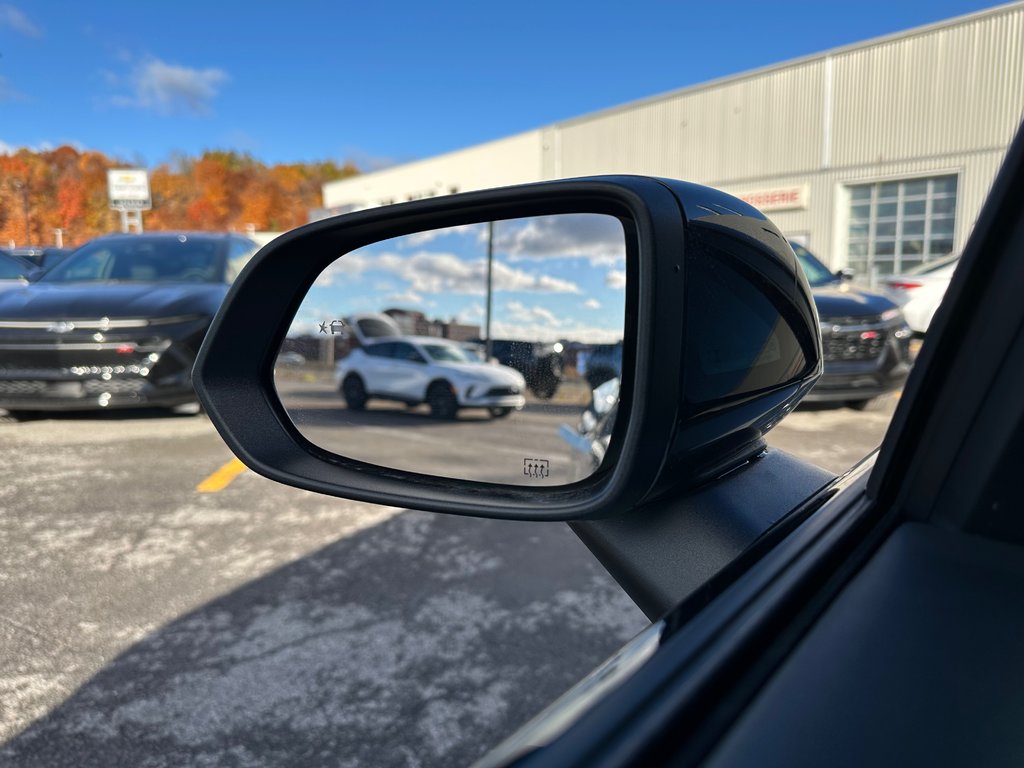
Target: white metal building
<point>876,156</point>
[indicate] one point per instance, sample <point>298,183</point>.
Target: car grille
<point>22,388</point>
<point>502,391</point>
<point>851,345</point>
<point>114,386</point>
<point>88,388</point>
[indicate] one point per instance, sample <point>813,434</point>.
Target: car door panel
<point>918,662</point>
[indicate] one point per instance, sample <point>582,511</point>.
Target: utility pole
<point>490,286</point>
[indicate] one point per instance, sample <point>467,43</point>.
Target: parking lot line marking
<point>222,478</point>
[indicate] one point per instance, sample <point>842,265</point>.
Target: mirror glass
<point>471,352</point>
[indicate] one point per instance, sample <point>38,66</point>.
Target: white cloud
<point>8,92</point>
<point>595,237</point>
<point>171,88</point>
<point>351,265</point>
<point>15,19</point>
<point>428,272</point>
<point>591,304</point>
<point>615,279</point>
<point>437,272</point>
<point>588,334</point>
<point>471,313</point>
<point>42,146</point>
<point>519,313</point>
<point>409,297</point>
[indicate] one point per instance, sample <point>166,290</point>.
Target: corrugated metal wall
<point>944,99</point>
<point>756,127</point>
<point>953,89</point>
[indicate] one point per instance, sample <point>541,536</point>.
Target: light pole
<point>490,286</point>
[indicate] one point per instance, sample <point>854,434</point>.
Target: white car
<point>919,291</point>
<point>423,369</point>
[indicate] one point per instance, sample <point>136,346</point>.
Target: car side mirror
<point>718,331</point>
<point>846,273</point>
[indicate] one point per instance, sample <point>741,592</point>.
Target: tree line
<point>66,189</point>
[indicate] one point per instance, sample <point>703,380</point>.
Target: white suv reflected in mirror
<point>423,369</point>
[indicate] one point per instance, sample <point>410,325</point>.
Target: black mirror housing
<point>720,341</point>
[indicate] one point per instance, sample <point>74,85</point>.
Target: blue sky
<point>379,83</point>
<point>554,277</point>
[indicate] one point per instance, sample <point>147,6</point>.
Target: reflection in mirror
<point>474,352</point>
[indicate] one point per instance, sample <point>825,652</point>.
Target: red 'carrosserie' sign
<point>778,199</point>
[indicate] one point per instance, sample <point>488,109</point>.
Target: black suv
<point>865,339</point>
<point>540,363</point>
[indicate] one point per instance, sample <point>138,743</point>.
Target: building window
<point>897,225</point>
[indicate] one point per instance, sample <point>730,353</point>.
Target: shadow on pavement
<point>413,416</point>
<point>98,414</point>
<point>421,641</point>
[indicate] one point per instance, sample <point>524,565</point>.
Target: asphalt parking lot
<point>162,605</point>
<point>475,446</point>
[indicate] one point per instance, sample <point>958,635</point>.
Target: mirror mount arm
<point>662,552</point>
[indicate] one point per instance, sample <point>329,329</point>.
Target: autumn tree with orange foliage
<point>66,189</point>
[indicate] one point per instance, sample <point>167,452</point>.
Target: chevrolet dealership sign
<point>128,189</point>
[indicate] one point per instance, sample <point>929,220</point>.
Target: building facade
<point>876,156</point>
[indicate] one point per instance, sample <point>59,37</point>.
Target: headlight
<point>891,314</point>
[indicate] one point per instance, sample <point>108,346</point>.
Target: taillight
<point>904,285</point>
<point>125,349</point>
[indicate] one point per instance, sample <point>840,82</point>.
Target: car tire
<point>354,392</point>
<point>500,413</point>
<point>860,405</point>
<point>441,400</point>
<point>546,385</point>
<point>19,415</point>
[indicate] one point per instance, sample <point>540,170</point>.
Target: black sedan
<point>865,338</point>
<point>117,324</point>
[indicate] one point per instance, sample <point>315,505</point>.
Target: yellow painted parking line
<point>222,478</point>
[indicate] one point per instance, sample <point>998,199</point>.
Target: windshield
<point>935,266</point>
<point>11,269</point>
<point>143,260</point>
<point>816,272</point>
<point>443,353</point>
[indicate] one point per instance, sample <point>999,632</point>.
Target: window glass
<point>446,353</point>
<point>11,269</point>
<point>130,260</point>
<point>379,350</point>
<point>404,351</point>
<point>897,225</point>
<point>917,187</point>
